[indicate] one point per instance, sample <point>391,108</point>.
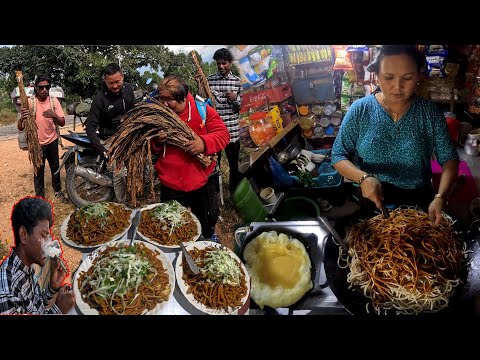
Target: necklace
<point>394,115</point>
<point>190,110</point>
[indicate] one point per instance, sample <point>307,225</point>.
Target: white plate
<point>67,240</point>
<point>195,237</point>
<point>87,263</point>
<point>191,299</point>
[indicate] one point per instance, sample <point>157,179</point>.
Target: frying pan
<point>312,244</point>
<point>464,300</point>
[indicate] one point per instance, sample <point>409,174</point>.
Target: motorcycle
<point>88,177</point>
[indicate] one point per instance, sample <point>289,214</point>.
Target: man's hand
<point>25,112</point>
<point>59,273</point>
<point>65,298</point>
<point>50,114</point>
<point>231,95</point>
<point>195,146</point>
<point>161,137</point>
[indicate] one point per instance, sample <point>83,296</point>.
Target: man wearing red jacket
<point>182,176</point>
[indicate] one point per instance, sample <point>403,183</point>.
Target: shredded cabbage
<point>121,271</point>
<point>221,267</point>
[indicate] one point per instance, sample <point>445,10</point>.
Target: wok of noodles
<point>168,223</point>
<point>95,224</point>
<point>403,263</point>
<point>118,279</point>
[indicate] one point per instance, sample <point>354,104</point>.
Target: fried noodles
<point>404,263</point>
<point>97,223</point>
<point>164,229</point>
<point>212,287</point>
<point>125,280</point>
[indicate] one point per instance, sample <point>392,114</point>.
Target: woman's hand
<point>372,190</point>
<point>195,146</point>
<point>435,211</point>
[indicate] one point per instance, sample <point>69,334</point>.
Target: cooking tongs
<point>334,233</point>
<point>385,211</point>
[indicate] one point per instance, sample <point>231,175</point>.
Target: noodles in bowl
<point>403,263</point>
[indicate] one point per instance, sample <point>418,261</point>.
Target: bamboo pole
<point>203,87</point>
<point>34,148</point>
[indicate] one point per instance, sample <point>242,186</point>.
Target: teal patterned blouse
<point>398,153</point>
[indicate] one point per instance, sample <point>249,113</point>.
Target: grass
<point>7,117</point>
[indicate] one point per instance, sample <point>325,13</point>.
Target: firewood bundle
<point>203,86</point>
<point>130,146</point>
<point>35,153</point>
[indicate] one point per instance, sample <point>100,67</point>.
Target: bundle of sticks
<point>130,146</point>
<point>203,86</point>
<point>34,149</point>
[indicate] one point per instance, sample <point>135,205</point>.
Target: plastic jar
<point>261,130</point>
<point>452,124</point>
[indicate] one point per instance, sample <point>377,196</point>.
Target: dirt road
<point>16,181</point>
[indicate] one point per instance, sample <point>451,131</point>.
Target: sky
<point>206,51</point>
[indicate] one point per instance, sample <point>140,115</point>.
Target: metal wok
<point>464,301</point>
<point>312,235</point>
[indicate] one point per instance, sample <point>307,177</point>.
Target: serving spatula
<point>190,261</point>
<point>132,232</point>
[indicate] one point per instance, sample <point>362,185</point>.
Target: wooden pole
<point>34,148</point>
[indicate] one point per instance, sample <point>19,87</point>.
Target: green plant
<point>306,178</point>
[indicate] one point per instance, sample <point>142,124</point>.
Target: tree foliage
<point>78,68</point>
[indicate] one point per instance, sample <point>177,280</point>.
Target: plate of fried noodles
<point>95,224</point>
<point>222,287</point>
<point>166,224</point>
<point>118,279</point>
<point>398,266</point>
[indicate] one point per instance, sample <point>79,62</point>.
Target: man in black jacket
<point>108,107</point>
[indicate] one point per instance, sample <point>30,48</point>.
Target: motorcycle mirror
<point>148,81</point>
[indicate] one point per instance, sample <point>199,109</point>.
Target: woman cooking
<point>387,139</point>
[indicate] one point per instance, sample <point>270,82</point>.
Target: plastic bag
<point>280,176</point>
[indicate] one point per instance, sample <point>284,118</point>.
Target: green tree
<point>78,68</point>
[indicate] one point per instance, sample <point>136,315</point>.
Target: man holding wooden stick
<point>46,120</point>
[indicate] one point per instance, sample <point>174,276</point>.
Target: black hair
<point>39,79</point>
<point>176,86</point>
<point>387,50</point>
<point>111,69</point>
<point>28,212</point>
<point>224,54</point>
